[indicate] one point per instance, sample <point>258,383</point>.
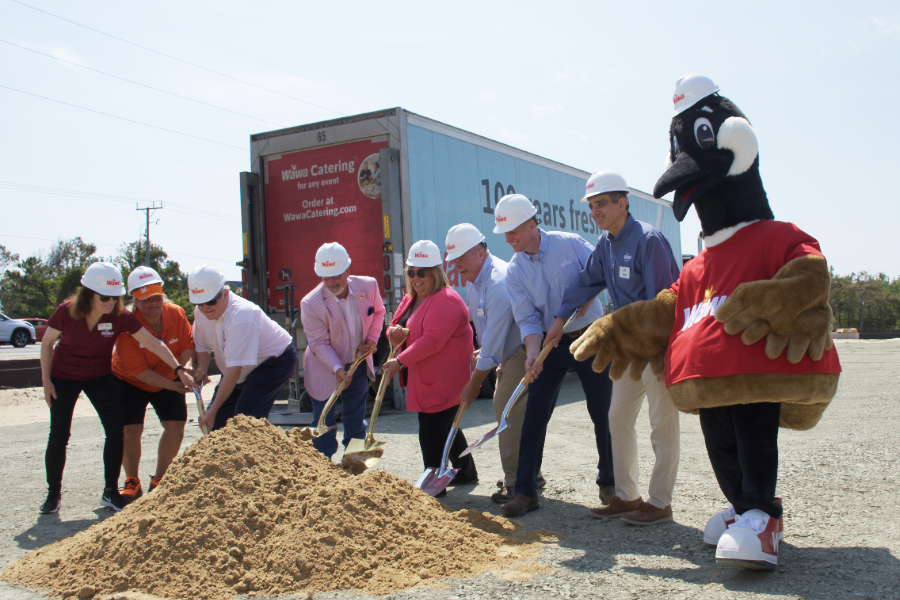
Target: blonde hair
<point>440,279</point>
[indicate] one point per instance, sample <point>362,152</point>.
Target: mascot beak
<point>690,178</point>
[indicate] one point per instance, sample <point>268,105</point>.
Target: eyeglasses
<point>333,278</point>
<point>413,273</point>
<point>212,302</point>
<point>106,298</point>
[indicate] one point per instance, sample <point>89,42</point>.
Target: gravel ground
<point>839,483</point>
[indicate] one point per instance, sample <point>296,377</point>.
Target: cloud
<point>63,54</point>
<point>888,24</point>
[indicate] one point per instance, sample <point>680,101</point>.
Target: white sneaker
<point>750,542</point>
<point>720,521</point>
<point>717,525</point>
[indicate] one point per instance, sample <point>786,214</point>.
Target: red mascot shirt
<point>698,344</point>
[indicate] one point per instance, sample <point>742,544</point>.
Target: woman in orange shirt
<point>145,379</point>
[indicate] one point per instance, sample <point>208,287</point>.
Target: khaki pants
<point>513,372</point>
<point>665,437</point>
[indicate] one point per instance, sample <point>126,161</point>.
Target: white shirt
<point>352,319</point>
<point>244,336</point>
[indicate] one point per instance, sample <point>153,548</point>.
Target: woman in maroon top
<point>90,320</point>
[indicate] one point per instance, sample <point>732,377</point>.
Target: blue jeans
<point>353,413</point>
<point>542,396</point>
<point>257,394</point>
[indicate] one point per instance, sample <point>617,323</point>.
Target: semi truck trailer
<point>378,182</point>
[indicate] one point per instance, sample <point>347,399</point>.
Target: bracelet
<point>179,368</point>
<point>402,366</point>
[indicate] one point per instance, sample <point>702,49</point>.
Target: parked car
<point>16,332</point>
<point>40,326</point>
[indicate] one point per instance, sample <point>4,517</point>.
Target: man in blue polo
<point>633,261</point>
<point>545,265</point>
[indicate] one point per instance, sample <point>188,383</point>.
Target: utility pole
<point>147,212</point>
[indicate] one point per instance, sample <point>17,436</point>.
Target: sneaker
<point>616,508</point>
<point>505,494</point>
<point>648,514</point>
<point>132,490</point>
<point>154,482</point>
<point>751,542</point>
<point>51,504</point>
<point>720,521</point>
<point>607,494</point>
<point>111,498</point>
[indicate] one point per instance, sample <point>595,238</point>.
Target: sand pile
<point>252,508</point>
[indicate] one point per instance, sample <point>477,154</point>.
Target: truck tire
<point>20,338</point>
<point>488,385</point>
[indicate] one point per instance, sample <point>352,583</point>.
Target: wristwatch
<point>402,366</point>
<point>179,368</point>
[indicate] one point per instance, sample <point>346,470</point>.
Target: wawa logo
<point>421,255</point>
<point>328,263</point>
<point>589,186</point>
<point>145,276</point>
<point>707,308</point>
<point>451,247</point>
<point>677,99</point>
<point>113,282</point>
<point>500,219</point>
<point>197,291</point>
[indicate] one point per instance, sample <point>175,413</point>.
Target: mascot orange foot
<point>756,277</point>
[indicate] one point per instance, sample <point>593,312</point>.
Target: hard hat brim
<point>205,297</point>
<point>145,291</point>
<point>332,272</point>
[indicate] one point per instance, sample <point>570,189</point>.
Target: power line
<point>240,53</point>
<point>122,118</point>
<point>181,208</point>
<point>169,56</point>
<point>140,84</point>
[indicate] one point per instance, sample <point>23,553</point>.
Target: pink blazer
<point>327,337</point>
<point>438,351</point>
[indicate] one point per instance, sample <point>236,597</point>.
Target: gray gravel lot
<point>839,483</point>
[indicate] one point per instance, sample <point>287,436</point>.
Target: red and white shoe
<point>751,542</point>
<point>720,521</point>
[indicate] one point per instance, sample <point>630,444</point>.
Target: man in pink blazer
<point>342,317</point>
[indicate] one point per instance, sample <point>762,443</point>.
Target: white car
<point>16,332</point>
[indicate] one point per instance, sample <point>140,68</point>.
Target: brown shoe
<point>607,494</point>
<point>520,505</point>
<point>616,508</point>
<point>648,514</point>
<point>503,496</point>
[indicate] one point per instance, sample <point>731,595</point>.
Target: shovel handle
<point>341,387</point>
<point>543,355</point>
<point>459,415</point>
<point>382,387</point>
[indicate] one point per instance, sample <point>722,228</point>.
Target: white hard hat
<point>424,253</point>
<point>141,277</point>
<point>104,278</point>
<point>603,182</point>
<point>204,283</point>
<point>331,260</point>
<point>691,89</point>
<point>512,211</point>
<point>462,238</point>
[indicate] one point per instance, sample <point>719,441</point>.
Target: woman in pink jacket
<point>436,356</point>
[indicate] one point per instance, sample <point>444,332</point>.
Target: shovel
<point>435,480</point>
<point>512,399</point>
<point>201,410</point>
<point>308,433</point>
<point>369,451</point>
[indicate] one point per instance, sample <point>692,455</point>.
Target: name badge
<point>625,272</point>
<point>104,326</point>
<point>480,312</point>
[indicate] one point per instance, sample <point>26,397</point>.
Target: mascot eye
<point>703,131</point>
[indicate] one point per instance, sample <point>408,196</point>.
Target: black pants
<point>103,392</point>
<point>257,394</point>
<point>742,443</point>
<point>433,431</point>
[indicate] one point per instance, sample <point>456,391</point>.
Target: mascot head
<point>713,160</point>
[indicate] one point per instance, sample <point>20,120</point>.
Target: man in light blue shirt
<point>545,266</point>
<point>500,344</point>
<point>634,262</point>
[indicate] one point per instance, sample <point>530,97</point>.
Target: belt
<point>575,334</point>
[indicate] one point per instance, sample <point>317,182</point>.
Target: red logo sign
<point>327,264</point>
<point>676,99</point>
<point>113,282</point>
<point>453,247</point>
<point>421,255</point>
<point>145,276</point>
<point>196,291</point>
<point>589,186</point>
<point>500,219</point>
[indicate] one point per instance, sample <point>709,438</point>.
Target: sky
<point>586,84</point>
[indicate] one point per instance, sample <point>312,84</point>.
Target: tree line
<point>36,285</point>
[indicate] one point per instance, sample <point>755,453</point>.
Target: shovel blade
<point>311,433</point>
<point>368,452</point>
<point>485,438</point>
<point>433,481</point>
